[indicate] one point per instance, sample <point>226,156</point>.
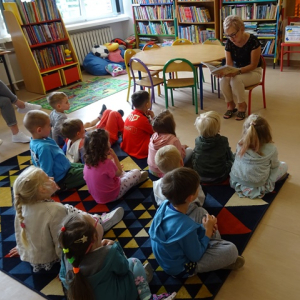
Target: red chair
<point>262,83</point>
<point>289,45</point>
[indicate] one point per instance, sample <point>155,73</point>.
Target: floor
<point>272,255</point>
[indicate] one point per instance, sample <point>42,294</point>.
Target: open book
<point>218,70</point>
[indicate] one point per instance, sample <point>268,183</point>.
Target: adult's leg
<point>219,254</point>
<point>8,112</point>
<point>227,92</point>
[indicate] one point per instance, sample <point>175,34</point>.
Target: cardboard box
<point>292,34</point>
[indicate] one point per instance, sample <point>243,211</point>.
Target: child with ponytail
<point>96,268</point>
<point>256,167</point>
<point>39,218</point>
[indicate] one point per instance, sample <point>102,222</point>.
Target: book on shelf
<point>222,70</point>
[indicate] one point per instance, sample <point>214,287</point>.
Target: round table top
<point>194,53</point>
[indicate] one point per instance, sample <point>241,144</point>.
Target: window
<point>74,11</point>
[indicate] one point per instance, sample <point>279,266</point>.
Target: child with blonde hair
<point>60,103</point>
<point>256,167</point>
<point>164,134</point>
<point>96,268</point>
<point>212,157</point>
<point>103,172</point>
<point>74,131</point>
<point>39,218</point>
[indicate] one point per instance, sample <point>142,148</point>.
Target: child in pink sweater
<point>164,134</point>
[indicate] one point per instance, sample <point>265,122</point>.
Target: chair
<point>127,56</point>
<point>289,45</point>
<point>180,65</point>
<point>149,81</point>
<point>262,83</point>
<point>213,41</point>
<point>180,42</point>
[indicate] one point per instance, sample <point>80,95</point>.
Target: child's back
<point>137,127</point>
<point>256,167</point>
<point>212,157</point>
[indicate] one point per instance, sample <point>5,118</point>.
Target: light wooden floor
<point>272,255</point>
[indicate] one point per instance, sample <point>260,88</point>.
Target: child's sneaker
<point>149,272</point>
<point>164,296</point>
<point>28,107</point>
<point>103,109</point>
<point>20,137</point>
<point>240,261</point>
<point>108,220</point>
<point>144,176</point>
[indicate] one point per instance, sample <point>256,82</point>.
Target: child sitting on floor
<point>164,134</point>
<point>39,218</point>
<point>74,131</point>
<point>256,167</point>
<point>60,103</point>
<point>96,268</point>
<point>182,246</point>
<point>167,159</point>
<point>212,157</point>
<point>103,172</point>
<point>47,155</point>
<point>137,128</point>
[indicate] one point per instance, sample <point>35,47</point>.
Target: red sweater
<point>137,133</point>
<point>112,122</point>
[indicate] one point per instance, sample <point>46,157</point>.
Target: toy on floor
<point>100,51</point>
<point>115,53</point>
<point>115,70</point>
<point>68,57</point>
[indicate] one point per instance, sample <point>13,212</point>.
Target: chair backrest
<point>179,65</point>
<point>150,46</point>
<point>127,56</point>
<point>180,42</point>
<point>212,41</point>
<point>263,66</point>
<point>136,64</point>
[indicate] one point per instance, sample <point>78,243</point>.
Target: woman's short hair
<point>208,124</point>
<point>233,21</point>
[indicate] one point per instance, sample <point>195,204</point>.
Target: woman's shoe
<point>240,116</point>
<point>229,113</point>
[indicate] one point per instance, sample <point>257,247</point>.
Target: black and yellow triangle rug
<point>237,220</point>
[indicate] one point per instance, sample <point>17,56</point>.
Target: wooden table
<point>194,53</point>
<point>2,60</point>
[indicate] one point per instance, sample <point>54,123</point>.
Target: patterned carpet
<point>88,92</point>
<point>237,219</point>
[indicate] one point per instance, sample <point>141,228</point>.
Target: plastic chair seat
<point>182,82</point>
<point>146,81</point>
<point>155,68</point>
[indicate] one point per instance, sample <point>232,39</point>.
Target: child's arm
<point>117,162</point>
<point>150,113</point>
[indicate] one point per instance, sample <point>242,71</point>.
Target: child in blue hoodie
<point>182,246</point>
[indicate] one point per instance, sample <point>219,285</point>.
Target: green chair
<point>180,65</point>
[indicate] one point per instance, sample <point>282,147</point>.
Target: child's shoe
<point>28,107</point>
<point>103,109</point>
<point>108,220</point>
<point>164,296</point>
<point>240,261</point>
<point>20,137</point>
<point>144,176</point>
<point>149,272</point>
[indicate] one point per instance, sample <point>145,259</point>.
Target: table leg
<point>201,85</point>
<point>8,75</point>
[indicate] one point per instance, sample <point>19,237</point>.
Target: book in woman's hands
<point>221,70</point>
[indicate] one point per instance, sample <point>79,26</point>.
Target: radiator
<point>83,42</point>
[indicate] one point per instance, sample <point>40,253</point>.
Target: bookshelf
<point>39,38</point>
<point>154,20</point>
<point>197,20</point>
<point>262,18</point>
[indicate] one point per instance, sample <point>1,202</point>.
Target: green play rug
<point>88,92</point>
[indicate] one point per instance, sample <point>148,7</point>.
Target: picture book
<point>221,70</point>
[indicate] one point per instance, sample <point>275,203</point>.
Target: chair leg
<point>249,103</point>
<point>264,95</point>
<point>128,91</point>
<point>193,95</point>
<point>172,97</point>
<point>166,96</point>
<point>219,94</point>
<point>196,99</point>
<point>203,79</point>
<point>215,84</point>
<point>153,94</point>
<point>289,48</point>
<point>212,83</point>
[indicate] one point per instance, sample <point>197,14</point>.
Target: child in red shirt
<point>113,123</point>
<point>137,128</point>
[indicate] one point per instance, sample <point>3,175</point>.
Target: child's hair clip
<point>65,250</point>
<point>82,240</point>
<point>71,260</point>
<point>63,229</point>
<point>76,270</point>
<point>23,225</point>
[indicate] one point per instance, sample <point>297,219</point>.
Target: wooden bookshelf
<point>260,14</point>
<point>197,20</point>
<point>42,64</point>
